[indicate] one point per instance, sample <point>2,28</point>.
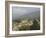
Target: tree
<point>35,25</point>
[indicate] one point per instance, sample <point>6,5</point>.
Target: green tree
<point>35,25</point>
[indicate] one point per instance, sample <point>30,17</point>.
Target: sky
<point>19,11</point>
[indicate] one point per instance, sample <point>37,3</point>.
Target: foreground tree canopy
<point>26,24</point>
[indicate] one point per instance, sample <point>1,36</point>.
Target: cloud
<point>19,11</point>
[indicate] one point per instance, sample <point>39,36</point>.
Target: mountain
<point>32,15</point>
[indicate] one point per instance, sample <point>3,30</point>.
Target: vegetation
<point>36,25</point>
<point>26,24</point>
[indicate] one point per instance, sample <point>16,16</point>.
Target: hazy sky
<point>19,11</point>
